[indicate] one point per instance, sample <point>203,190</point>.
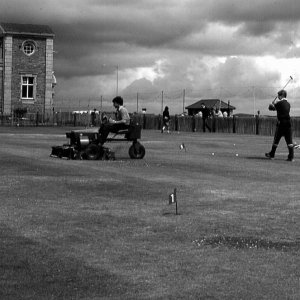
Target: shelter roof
<point>210,103</point>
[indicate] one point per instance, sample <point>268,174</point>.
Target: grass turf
<point>104,229</point>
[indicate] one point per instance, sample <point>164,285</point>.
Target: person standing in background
<point>166,120</point>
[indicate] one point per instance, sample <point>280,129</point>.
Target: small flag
<point>182,147</point>
<point>172,198</point>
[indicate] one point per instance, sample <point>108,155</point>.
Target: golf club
<point>291,78</point>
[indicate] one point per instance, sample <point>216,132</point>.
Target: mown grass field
<point>104,229</point>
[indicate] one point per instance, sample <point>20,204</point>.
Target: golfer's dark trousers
<point>105,129</point>
<point>205,125</point>
<point>283,129</point>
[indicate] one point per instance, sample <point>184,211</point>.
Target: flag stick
<point>175,197</point>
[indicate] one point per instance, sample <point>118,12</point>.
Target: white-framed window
<point>28,47</point>
<point>28,87</point>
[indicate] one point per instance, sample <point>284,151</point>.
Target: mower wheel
<point>92,152</point>
<point>137,151</point>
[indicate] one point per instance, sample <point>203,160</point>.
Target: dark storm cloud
<point>232,11</point>
<point>125,34</point>
<point>164,26</point>
<point>258,28</point>
<point>91,27</point>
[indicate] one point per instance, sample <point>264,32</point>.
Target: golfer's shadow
<point>257,157</point>
<point>170,214</point>
<point>264,158</point>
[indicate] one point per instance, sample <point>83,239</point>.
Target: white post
<point>117,80</point>
<point>162,101</point>
<point>183,101</point>
<point>254,100</point>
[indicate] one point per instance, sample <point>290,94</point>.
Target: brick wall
<point>35,65</point>
<point>1,75</point>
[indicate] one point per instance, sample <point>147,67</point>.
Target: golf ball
<point>213,154</point>
<point>237,154</point>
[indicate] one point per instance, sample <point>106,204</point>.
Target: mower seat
<point>133,132</point>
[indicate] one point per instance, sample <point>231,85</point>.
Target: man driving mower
<point>122,121</point>
<point>88,143</point>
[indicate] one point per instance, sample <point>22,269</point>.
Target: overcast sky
<point>237,50</point>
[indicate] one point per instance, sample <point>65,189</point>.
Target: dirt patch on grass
<point>247,243</point>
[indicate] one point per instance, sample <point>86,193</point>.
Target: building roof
<point>25,29</point>
<point>210,103</point>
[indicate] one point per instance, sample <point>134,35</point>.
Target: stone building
<point>26,69</point>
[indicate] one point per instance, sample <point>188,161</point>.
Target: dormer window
<point>28,47</point>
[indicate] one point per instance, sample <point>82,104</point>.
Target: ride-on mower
<point>84,144</point>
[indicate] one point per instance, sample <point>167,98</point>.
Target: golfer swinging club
<point>284,126</point>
